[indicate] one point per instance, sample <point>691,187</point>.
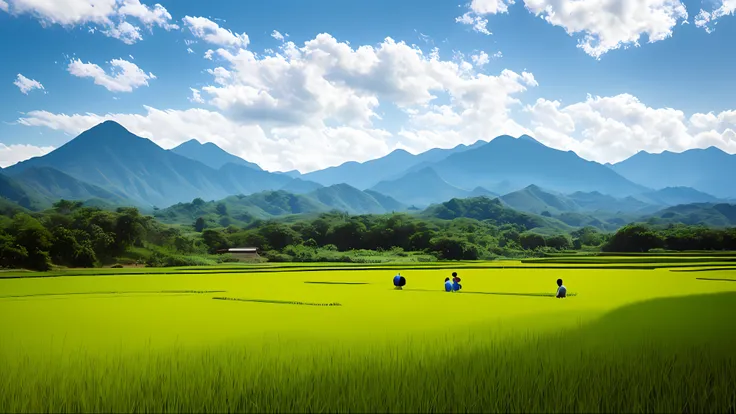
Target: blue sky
<point>333,103</point>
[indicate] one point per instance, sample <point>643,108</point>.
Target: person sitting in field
<point>399,281</point>
<point>456,286</point>
<point>448,285</point>
<point>561,289</point>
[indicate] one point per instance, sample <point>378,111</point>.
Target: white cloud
<point>125,76</point>
<point>277,35</point>
<point>110,17</point>
<point>479,9</point>
<point>481,59</point>
<point>26,85</point>
<point>315,105</point>
<point>283,149</point>
<point>479,23</point>
<point>605,25</point>
<point>707,20</point>
<point>190,51</point>
<point>327,81</point>
<point>211,32</point>
<point>610,129</point>
<point>208,54</point>
<point>196,96</point>
<point>498,55</point>
<point>14,153</point>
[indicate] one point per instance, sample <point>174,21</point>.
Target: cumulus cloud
<point>481,59</point>
<point>26,85</point>
<point>480,8</point>
<point>610,129</point>
<point>208,54</point>
<point>605,25</point>
<point>278,36</point>
<point>707,20</point>
<point>283,149</point>
<point>110,17</point>
<point>327,81</point>
<point>211,32</point>
<point>316,105</point>
<point>125,76</point>
<point>15,153</point>
<point>196,96</point>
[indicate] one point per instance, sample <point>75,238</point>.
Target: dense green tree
<point>199,225</point>
<point>634,238</point>
<point>215,240</point>
<point>531,241</point>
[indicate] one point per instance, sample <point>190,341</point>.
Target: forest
<point>73,235</point>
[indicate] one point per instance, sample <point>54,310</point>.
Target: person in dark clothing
<point>399,281</point>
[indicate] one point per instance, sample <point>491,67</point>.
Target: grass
<point>627,341</point>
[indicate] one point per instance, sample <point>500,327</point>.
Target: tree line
<point>74,235</point>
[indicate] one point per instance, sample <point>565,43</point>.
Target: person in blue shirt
<point>561,289</point>
<point>456,286</point>
<point>448,285</point>
<point>399,282</point>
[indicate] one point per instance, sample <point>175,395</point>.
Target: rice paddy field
<point>636,334</point>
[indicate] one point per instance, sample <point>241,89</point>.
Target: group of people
<point>453,285</point>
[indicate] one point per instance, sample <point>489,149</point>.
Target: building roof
<point>241,250</point>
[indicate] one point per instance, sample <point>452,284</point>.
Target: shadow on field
<point>719,280</point>
<point>279,302</point>
<point>470,292</point>
<point>118,292</point>
<point>337,283</point>
<point>709,269</point>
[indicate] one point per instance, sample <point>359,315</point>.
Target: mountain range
<point>109,165</point>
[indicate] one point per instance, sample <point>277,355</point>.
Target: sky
<point>301,84</point>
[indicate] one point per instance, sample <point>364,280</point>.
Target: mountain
<point>389,204</point>
<point>709,170</point>
<point>507,162</point>
<point>482,192</point>
<point>420,188</point>
<point>707,214</point>
<point>347,198</point>
<point>392,166</point>
<point>243,209</point>
<point>595,201</point>
<point>210,155</point>
<point>52,185</point>
<point>484,208</point>
<point>292,173</point>
<point>240,179</point>
<point>533,199</point>
<point>299,186</point>
<point>672,196</point>
<point>14,193</point>
<point>111,157</point>
<point>239,209</point>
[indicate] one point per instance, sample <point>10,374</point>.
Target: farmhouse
<point>243,254</point>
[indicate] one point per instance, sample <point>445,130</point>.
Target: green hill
<point>52,185</point>
<point>243,209</point>
<point>17,194</point>
<point>533,199</point>
<point>346,198</point>
<point>493,210</point>
<point>706,214</point>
